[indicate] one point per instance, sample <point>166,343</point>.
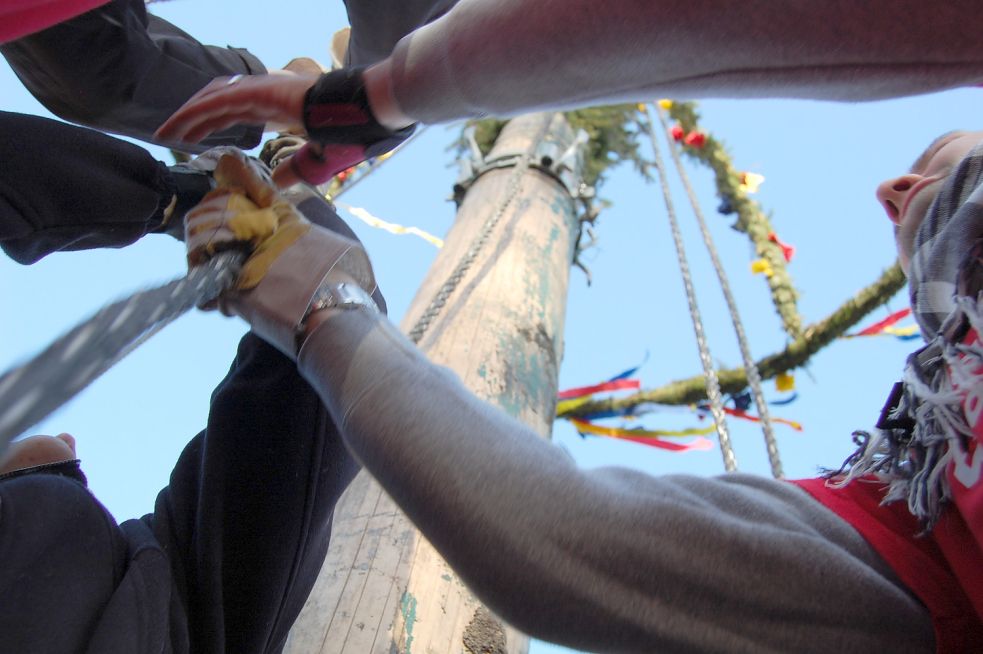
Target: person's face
<point>906,199</point>
<point>37,450</point>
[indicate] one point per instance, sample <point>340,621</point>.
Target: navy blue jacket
<point>236,539</point>
<point>225,561</point>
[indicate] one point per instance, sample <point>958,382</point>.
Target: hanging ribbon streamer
<point>743,415</point>
<point>631,371</point>
<point>636,411</point>
<point>616,384</point>
<point>785,400</point>
<point>909,333</point>
<point>751,182</point>
<point>879,326</point>
<point>650,437</point>
<point>572,398</point>
<point>392,228</point>
<point>742,402</point>
<point>788,251</point>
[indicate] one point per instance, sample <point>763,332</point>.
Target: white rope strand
<point>709,372</point>
<point>750,367</point>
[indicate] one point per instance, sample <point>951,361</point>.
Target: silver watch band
<point>340,295</point>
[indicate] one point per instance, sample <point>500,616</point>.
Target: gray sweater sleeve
<point>504,57</point>
<point>607,560</point>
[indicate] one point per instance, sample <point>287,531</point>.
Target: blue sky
<point>821,162</point>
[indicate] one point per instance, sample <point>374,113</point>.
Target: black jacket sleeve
<point>246,518</point>
<point>155,68</point>
<point>70,188</point>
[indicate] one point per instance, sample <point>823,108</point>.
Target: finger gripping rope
<point>31,392</point>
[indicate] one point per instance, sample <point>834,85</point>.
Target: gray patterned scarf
<point>923,421</point>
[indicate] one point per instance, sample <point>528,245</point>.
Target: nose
<point>891,194</point>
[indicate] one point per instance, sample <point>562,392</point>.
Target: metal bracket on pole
<point>564,166</point>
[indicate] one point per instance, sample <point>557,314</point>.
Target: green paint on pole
<point>407,607</point>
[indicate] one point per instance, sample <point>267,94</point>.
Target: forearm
<point>504,57</point>
<point>252,493</point>
<point>97,191</point>
<point>155,67</point>
<point>607,560</point>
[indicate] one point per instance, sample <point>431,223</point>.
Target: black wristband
<point>336,111</point>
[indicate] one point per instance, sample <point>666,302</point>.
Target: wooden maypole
<point>498,323</point>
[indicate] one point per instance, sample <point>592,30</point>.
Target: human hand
<point>274,100</point>
<point>282,147</point>
<point>289,257</point>
<point>334,112</point>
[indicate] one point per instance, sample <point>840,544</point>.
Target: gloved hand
<point>289,259</point>
<point>191,181</point>
<point>333,109</point>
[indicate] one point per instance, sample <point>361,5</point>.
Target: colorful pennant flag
<point>649,437</point>
<point>616,384</point>
<point>879,326</point>
<point>887,327</point>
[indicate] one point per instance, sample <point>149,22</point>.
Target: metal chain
<point>709,373</point>
<point>750,367</point>
<point>512,188</point>
<point>31,392</point>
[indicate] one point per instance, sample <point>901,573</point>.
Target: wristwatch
<point>338,295</point>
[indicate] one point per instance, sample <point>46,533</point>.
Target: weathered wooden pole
<point>383,589</point>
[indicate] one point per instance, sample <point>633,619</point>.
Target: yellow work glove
<point>289,257</point>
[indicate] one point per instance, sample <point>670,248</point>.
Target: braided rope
<point>512,188</point>
<point>709,372</point>
<point>32,391</point>
<point>750,368</point>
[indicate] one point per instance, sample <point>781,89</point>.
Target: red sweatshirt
<point>941,568</point>
<point>22,17</point>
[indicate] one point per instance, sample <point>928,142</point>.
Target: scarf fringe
<point>913,462</point>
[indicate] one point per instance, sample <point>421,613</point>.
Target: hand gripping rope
<point>31,392</point>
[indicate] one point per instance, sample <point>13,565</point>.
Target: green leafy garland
<point>614,139</point>
<point>750,218</point>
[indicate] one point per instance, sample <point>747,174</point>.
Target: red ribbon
<point>877,327</point>
<point>614,385</point>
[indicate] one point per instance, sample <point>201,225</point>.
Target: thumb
<point>284,175</point>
